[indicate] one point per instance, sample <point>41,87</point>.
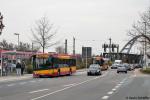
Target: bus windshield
<point>42,63</point>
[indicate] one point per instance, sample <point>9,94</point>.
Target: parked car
<point>114,66</point>
<point>122,68</point>
<point>138,65</point>
<point>132,66</point>
<point>94,69</point>
<point>128,67</point>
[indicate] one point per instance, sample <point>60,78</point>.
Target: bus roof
<point>60,56</point>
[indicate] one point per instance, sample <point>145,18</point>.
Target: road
<point>108,86</point>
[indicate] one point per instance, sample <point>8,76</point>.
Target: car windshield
<point>94,67</point>
<point>121,66</point>
<point>126,65</point>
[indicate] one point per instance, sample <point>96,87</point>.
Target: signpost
<point>86,53</point>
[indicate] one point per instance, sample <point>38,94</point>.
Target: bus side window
<point>56,65</point>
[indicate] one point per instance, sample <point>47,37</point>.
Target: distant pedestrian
<point>23,65</point>
<point>18,68</point>
<point>5,68</point>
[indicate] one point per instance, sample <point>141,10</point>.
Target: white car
<point>122,68</point>
<point>114,66</point>
<point>94,69</point>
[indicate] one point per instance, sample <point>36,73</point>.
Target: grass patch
<point>145,70</point>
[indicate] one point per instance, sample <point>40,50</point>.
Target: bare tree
<point>43,33</point>
<point>27,47</point>
<point>141,27</point>
<point>23,46</point>
<point>60,49</point>
<point>4,44</point>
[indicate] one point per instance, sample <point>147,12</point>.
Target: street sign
<point>86,52</point>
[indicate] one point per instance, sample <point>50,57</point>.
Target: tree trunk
<point>43,49</point>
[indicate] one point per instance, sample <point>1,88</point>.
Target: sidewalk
<point>81,70</point>
<point>25,76</point>
<point>14,78</point>
<point>137,72</point>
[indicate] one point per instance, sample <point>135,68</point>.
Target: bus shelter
<point>10,57</point>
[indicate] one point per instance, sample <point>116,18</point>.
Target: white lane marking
<point>10,84</point>
<point>111,92</point>
<point>39,90</point>
<point>121,82</point>
<point>22,83</point>
<point>134,75</point>
<point>117,86</point>
<point>114,89</point>
<point>68,87</point>
<point>105,97</point>
<point>125,79</point>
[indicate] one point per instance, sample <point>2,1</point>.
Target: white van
<point>116,64</point>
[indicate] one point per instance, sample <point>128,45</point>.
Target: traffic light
<point>112,47</point>
<point>105,46</point>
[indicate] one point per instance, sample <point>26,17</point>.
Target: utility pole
<point>1,28</point>
<point>110,48</point>
<point>73,45</point>
<point>86,58</point>
<point>18,39</point>
<point>32,47</point>
<point>65,46</point>
<point>118,52</point>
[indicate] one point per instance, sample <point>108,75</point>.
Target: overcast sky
<point>86,20</point>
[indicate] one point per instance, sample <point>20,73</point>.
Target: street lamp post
<point>86,57</point>
<point>18,38</point>
<point>1,28</point>
<point>110,48</point>
<point>145,49</point>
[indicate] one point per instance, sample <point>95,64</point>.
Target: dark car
<point>94,69</point>
<point>128,67</point>
<point>138,65</point>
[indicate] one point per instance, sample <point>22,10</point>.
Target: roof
<point>60,56</point>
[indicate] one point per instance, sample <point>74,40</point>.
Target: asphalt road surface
<point>108,86</point>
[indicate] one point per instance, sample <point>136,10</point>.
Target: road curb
<point>14,78</point>
<point>81,70</point>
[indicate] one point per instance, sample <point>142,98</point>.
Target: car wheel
<point>100,73</point>
<point>117,71</point>
<point>126,72</point>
